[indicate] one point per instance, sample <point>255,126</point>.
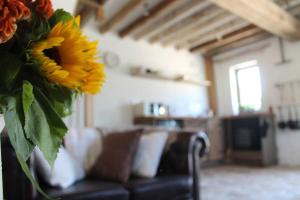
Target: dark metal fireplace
<point>246,134</point>
<point>250,139</point>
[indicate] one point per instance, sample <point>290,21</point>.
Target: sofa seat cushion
<point>90,190</point>
<point>160,188</point>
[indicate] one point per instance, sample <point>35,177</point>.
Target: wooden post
<point>212,96</point>
<point>88,111</point>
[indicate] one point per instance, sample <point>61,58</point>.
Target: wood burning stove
<point>250,139</point>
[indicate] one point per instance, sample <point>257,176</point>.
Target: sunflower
<point>67,58</point>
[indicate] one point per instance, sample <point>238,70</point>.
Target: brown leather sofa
<point>178,178</point>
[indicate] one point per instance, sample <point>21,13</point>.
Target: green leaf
<point>27,172</point>
<point>2,103</point>
<point>61,98</point>
<point>60,16</point>
<point>14,119</point>
<point>27,96</point>
<point>34,30</point>
<point>10,66</point>
<point>44,127</point>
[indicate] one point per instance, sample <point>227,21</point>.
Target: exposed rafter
<point>186,25</point>
<point>198,25</point>
<point>120,15</point>
<point>211,34</point>
<point>90,3</point>
<point>236,36</point>
<point>201,28</point>
<point>84,11</point>
<point>176,15</point>
<point>153,13</point>
<point>242,43</point>
<point>265,14</point>
<point>86,8</point>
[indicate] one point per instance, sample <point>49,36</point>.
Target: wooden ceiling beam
<point>212,34</point>
<point>120,15</point>
<point>186,25</point>
<point>100,14</point>
<point>90,3</point>
<point>153,13</point>
<point>236,36</point>
<point>102,2</point>
<point>201,28</point>
<point>176,15</point>
<point>241,44</point>
<point>88,7</point>
<point>84,11</point>
<point>265,14</point>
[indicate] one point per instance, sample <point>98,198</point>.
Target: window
<point>246,87</point>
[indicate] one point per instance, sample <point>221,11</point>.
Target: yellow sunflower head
<point>69,59</point>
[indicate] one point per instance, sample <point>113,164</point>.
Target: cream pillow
<point>85,145</point>
<point>148,154</point>
<point>65,172</point>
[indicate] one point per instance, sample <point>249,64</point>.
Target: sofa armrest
<point>199,148</point>
<point>184,155</point>
<point>15,183</point>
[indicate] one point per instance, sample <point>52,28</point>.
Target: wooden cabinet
<point>210,126</point>
<point>179,123</point>
<point>217,140</point>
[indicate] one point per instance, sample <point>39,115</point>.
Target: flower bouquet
<point>45,63</point>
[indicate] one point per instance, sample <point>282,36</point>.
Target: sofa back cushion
<point>115,161</point>
<point>149,153</point>
<point>84,145</point>
<point>64,173</point>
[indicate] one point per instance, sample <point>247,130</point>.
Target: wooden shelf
<point>183,123</point>
<point>174,79</point>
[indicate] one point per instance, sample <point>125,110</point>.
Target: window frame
<point>235,87</point>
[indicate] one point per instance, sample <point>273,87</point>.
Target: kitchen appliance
<point>150,109</point>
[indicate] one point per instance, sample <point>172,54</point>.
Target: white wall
<point>113,104</point>
<point>288,141</point>
<point>67,5</point>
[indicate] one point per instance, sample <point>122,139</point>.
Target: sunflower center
<point>53,54</point>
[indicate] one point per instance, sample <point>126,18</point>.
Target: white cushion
<point>65,171</point>
<point>85,145</point>
<point>148,154</point>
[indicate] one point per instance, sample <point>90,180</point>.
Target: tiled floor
<point>243,183</point>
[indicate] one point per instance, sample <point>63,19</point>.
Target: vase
<point>2,124</point>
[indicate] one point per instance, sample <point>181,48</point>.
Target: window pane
<point>249,86</point>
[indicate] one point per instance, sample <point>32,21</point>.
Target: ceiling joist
<point>265,14</point>
<point>153,13</point>
<point>186,25</point>
<point>199,25</point>
<point>120,15</point>
<point>233,37</point>
<point>245,42</point>
<point>212,34</point>
<point>201,28</point>
<point>176,15</point>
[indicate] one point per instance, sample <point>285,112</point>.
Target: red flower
<point>44,7</point>
<point>18,9</point>
<point>11,11</point>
